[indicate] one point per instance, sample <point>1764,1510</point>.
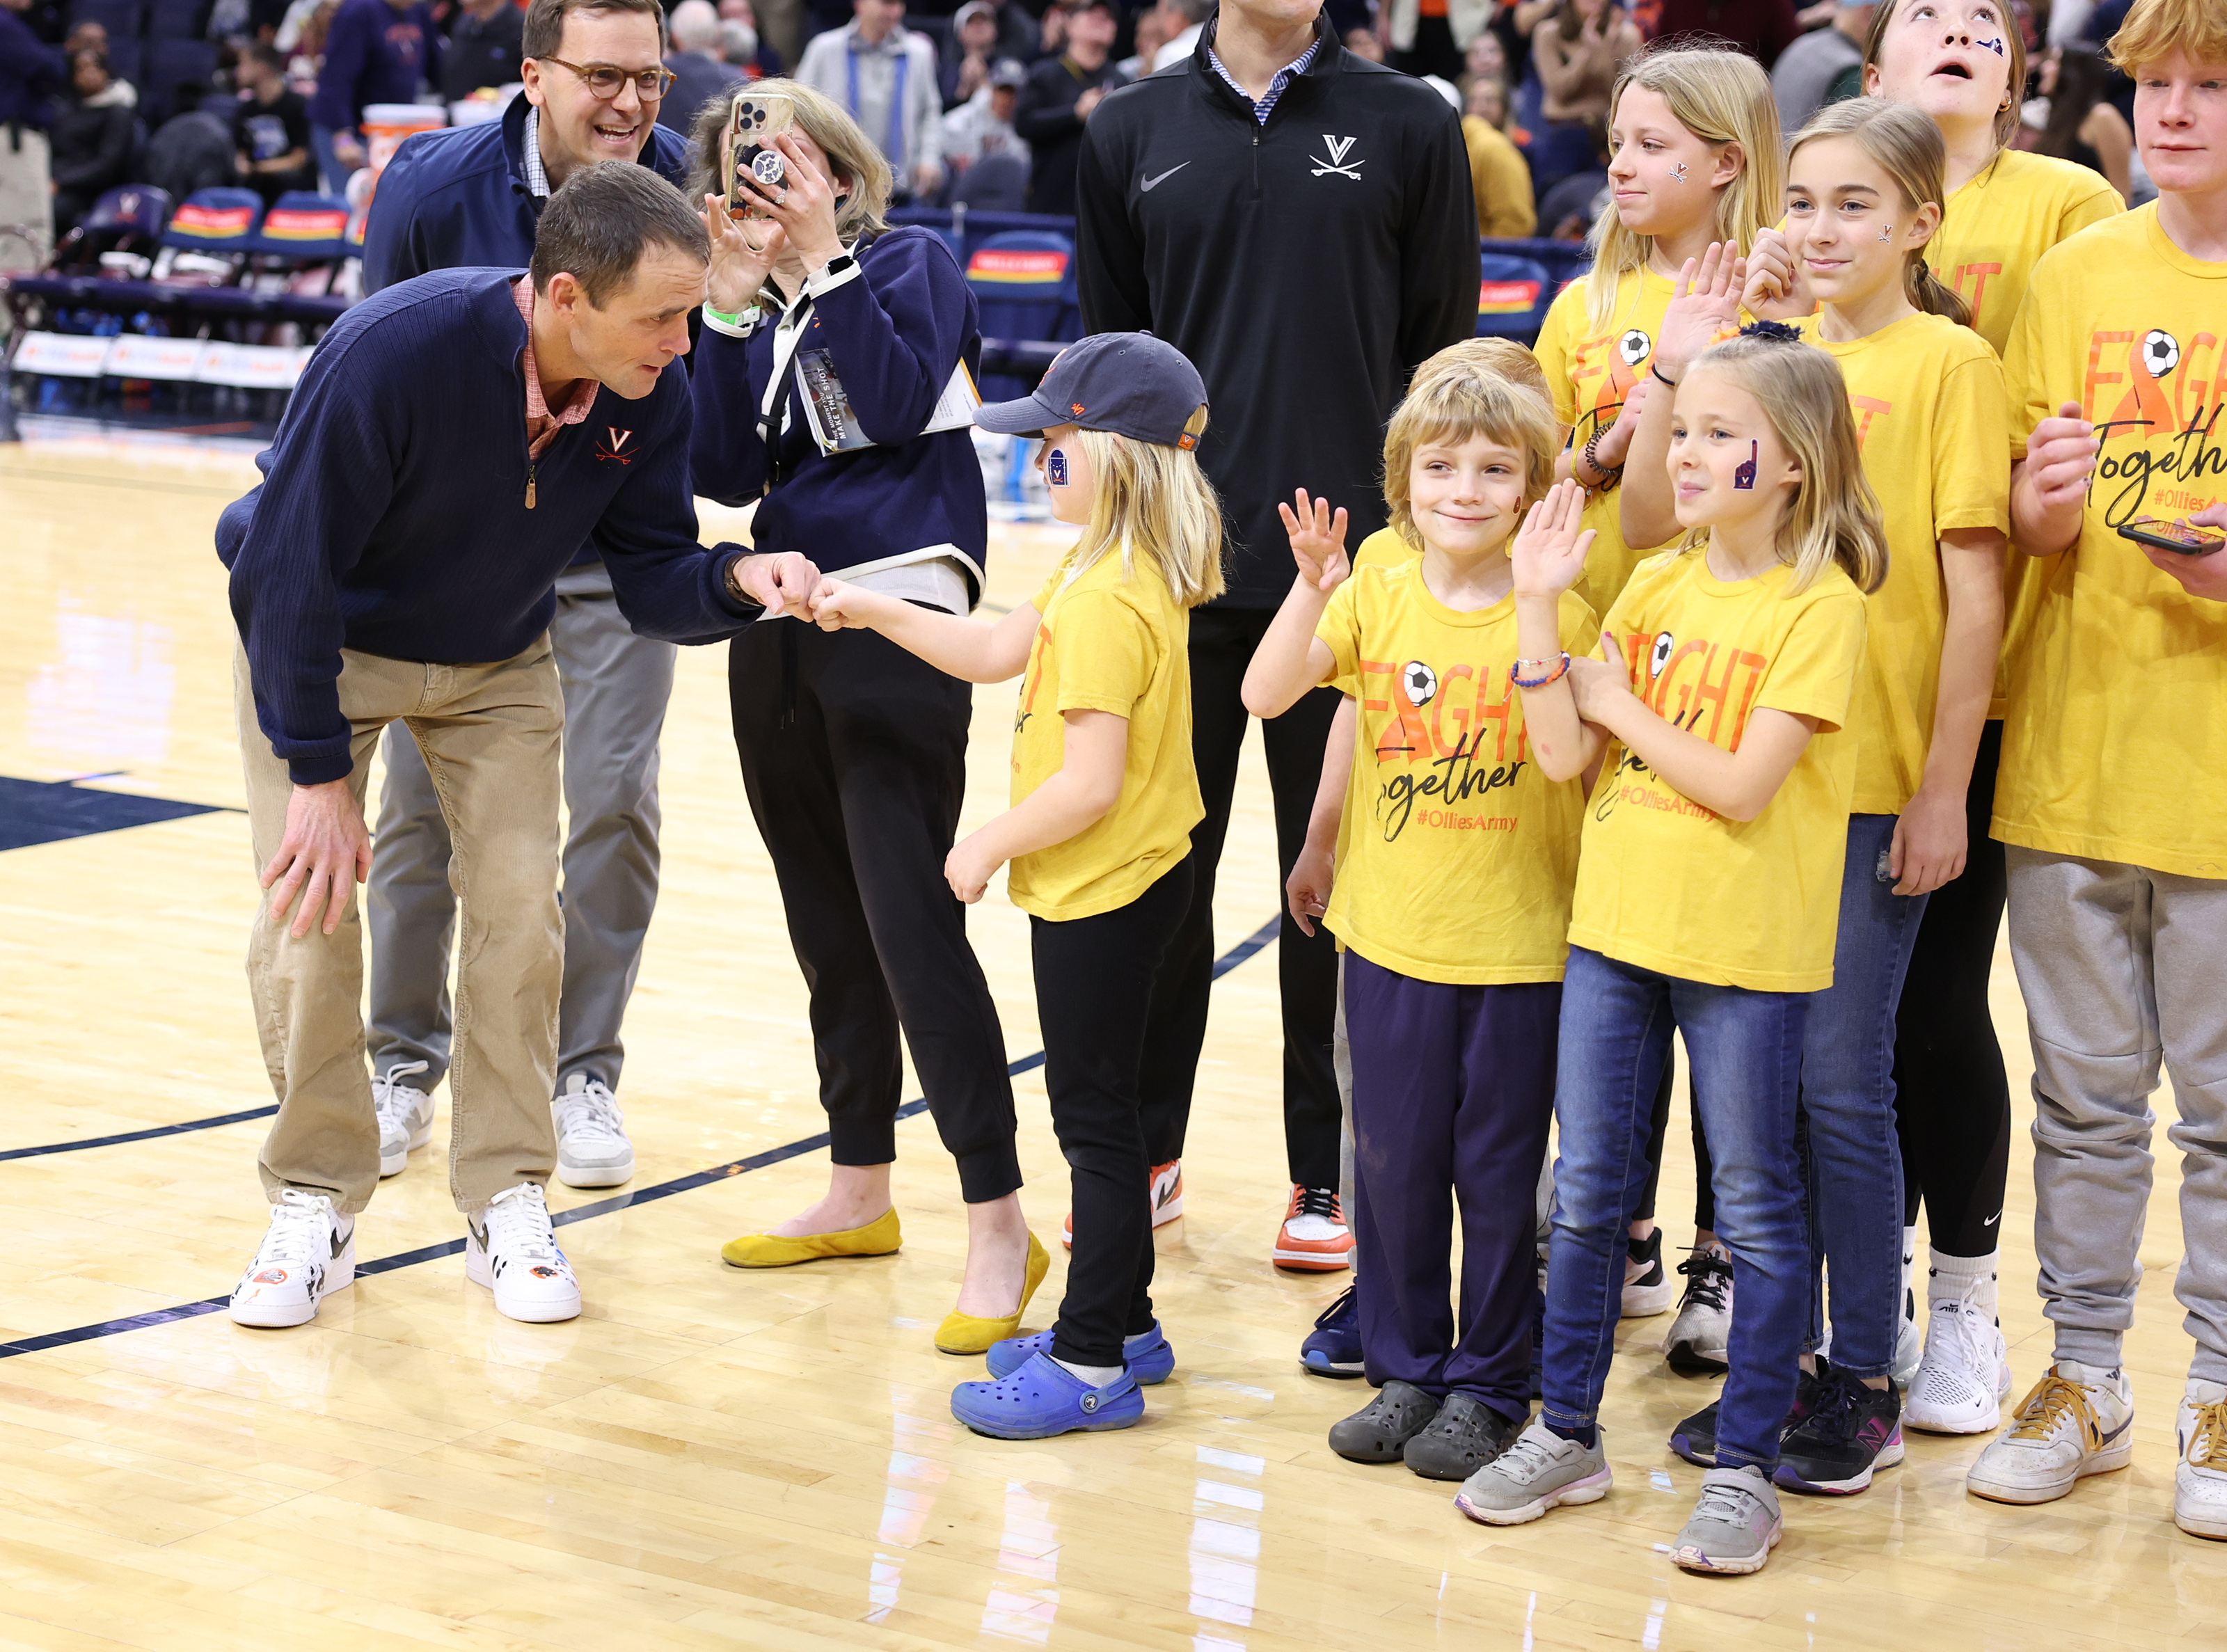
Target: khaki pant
<point>27,208</point>
<point>490,735</point>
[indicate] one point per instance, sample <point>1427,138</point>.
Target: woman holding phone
<point>835,384</point>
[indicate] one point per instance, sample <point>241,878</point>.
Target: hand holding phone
<point>2176,535</point>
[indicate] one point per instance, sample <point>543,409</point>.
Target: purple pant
<point>1453,1089</point>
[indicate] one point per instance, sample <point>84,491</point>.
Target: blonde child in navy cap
<point>1098,838</point>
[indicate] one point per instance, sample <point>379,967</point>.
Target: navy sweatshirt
<point>373,53</point>
<point>392,518</point>
<point>894,332</point>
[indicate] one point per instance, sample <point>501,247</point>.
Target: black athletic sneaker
<point>1462,1438</point>
<point>1695,1438</point>
<point>1850,1431</point>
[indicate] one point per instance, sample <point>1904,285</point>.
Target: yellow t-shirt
<point>1933,417</point>
<point>1384,549</point>
<point>1669,885</point>
<point>1108,644</point>
<point>2115,748</point>
<point>1500,180</point>
<point>1995,228</point>
<point>1993,232</point>
<point>1589,371</point>
<point>1459,852</point>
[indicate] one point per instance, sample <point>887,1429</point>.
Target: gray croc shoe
<point>1462,1438</point>
<point>1381,1428</point>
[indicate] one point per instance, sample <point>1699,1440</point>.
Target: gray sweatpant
<point>615,687</point>
<point>2122,968</point>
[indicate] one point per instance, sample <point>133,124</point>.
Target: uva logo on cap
<point>1076,408</point>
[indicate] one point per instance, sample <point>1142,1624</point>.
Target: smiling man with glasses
<point>472,195</point>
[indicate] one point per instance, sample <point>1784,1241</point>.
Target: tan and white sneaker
<point>2199,1483</point>
<point>2079,1421</point>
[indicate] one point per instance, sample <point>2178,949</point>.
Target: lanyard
<point>898,70</point>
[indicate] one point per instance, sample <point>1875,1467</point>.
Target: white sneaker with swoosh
<point>308,1252</point>
<point>2079,1421</point>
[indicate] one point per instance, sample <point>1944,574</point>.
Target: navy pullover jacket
<point>373,53</point>
<point>895,331</point>
<point>459,197</point>
<point>392,518</point>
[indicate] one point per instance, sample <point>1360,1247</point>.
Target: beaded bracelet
<point>1609,474</point>
<point>1560,669</point>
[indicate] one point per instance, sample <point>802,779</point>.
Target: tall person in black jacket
<point>1297,220</point>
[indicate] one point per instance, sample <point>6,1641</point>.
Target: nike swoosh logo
<point>1149,184</point>
<point>1993,1220</point>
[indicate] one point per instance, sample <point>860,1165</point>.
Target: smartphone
<point>757,119</point>
<point>2173,536</point>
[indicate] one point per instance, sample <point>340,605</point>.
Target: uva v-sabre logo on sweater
<point>1429,727</point>
<point>614,445</point>
<point>1335,161</point>
<point>2155,404</point>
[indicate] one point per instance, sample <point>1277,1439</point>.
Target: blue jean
<point>1746,1051</point>
<point>1853,1161</point>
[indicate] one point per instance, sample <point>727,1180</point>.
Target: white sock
<point>1954,1276</point>
<point>1096,1375</point>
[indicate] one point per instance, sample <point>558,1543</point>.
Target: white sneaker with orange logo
<point>2199,1484</point>
<point>2079,1421</point>
<point>511,1248</point>
<point>1164,1199</point>
<point>308,1252</point>
<point>1314,1238</point>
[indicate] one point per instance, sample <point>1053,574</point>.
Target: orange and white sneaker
<point>1314,1238</point>
<point>1165,1199</point>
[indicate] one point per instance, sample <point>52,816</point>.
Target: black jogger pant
<point>854,756</point>
<point>1222,644</point>
<point>1095,989</point>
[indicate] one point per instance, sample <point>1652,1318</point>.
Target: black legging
<point>1658,1129</point>
<point>1953,1099</point>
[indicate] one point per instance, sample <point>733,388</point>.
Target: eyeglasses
<point>606,80</point>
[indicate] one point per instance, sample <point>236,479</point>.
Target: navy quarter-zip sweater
<point>1306,266</point>
<point>895,331</point>
<point>392,518</point>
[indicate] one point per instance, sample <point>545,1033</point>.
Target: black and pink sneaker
<point>1851,1431</point>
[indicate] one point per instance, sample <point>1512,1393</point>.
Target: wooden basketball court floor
<point>712,1459</point>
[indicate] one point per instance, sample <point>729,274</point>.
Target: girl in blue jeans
<point>1708,892</point>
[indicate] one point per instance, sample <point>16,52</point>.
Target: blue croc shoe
<point>1333,1348</point>
<point>1147,1354</point>
<point>1043,1398</point>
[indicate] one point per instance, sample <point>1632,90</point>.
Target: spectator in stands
<point>1188,18</point>
<point>741,45</point>
<point>1153,31</point>
<point>1433,37</point>
<point>1485,55</point>
<point>308,50</point>
<point>1578,49</point>
<point>378,51</point>
<point>1825,65</point>
<point>484,48</point>
<point>1363,42</point>
<point>884,77</point>
<point>1497,177</point>
<point>699,76</point>
<point>31,73</point>
<point>1056,103</point>
<point>2076,122</point>
<point>90,37</point>
<point>91,133</point>
<point>968,54</point>
<point>270,127</point>
<point>1569,210</point>
<point>777,26</point>
<point>1762,28</point>
<point>193,149</point>
<point>983,126</point>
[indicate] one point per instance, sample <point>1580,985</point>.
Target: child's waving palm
<point>1549,551</point>
<point>1317,540</point>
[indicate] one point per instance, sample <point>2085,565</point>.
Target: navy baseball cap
<point>1130,384</point>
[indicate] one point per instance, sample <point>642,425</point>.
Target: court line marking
<point>688,1183</point>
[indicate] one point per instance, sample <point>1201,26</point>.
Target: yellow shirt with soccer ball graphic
<point>2115,747</point>
<point>1670,885</point>
<point>1459,853</point>
<point>1589,372</point>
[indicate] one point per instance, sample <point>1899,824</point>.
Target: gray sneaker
<point>1538,1472</point>
<point>1381,1428</point>
<point>1735,1525</point>
<point>405,1114</point>
<point>592,1148</point>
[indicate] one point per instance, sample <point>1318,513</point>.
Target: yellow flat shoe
<point>967,1334</point>
<point>877,1238</point>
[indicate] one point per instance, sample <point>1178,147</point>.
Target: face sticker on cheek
<point>1678,172</point>
<point>1055,466</point>
<point>1744,476</point>
<point>1886,231</point>
<point>1994,46</point>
